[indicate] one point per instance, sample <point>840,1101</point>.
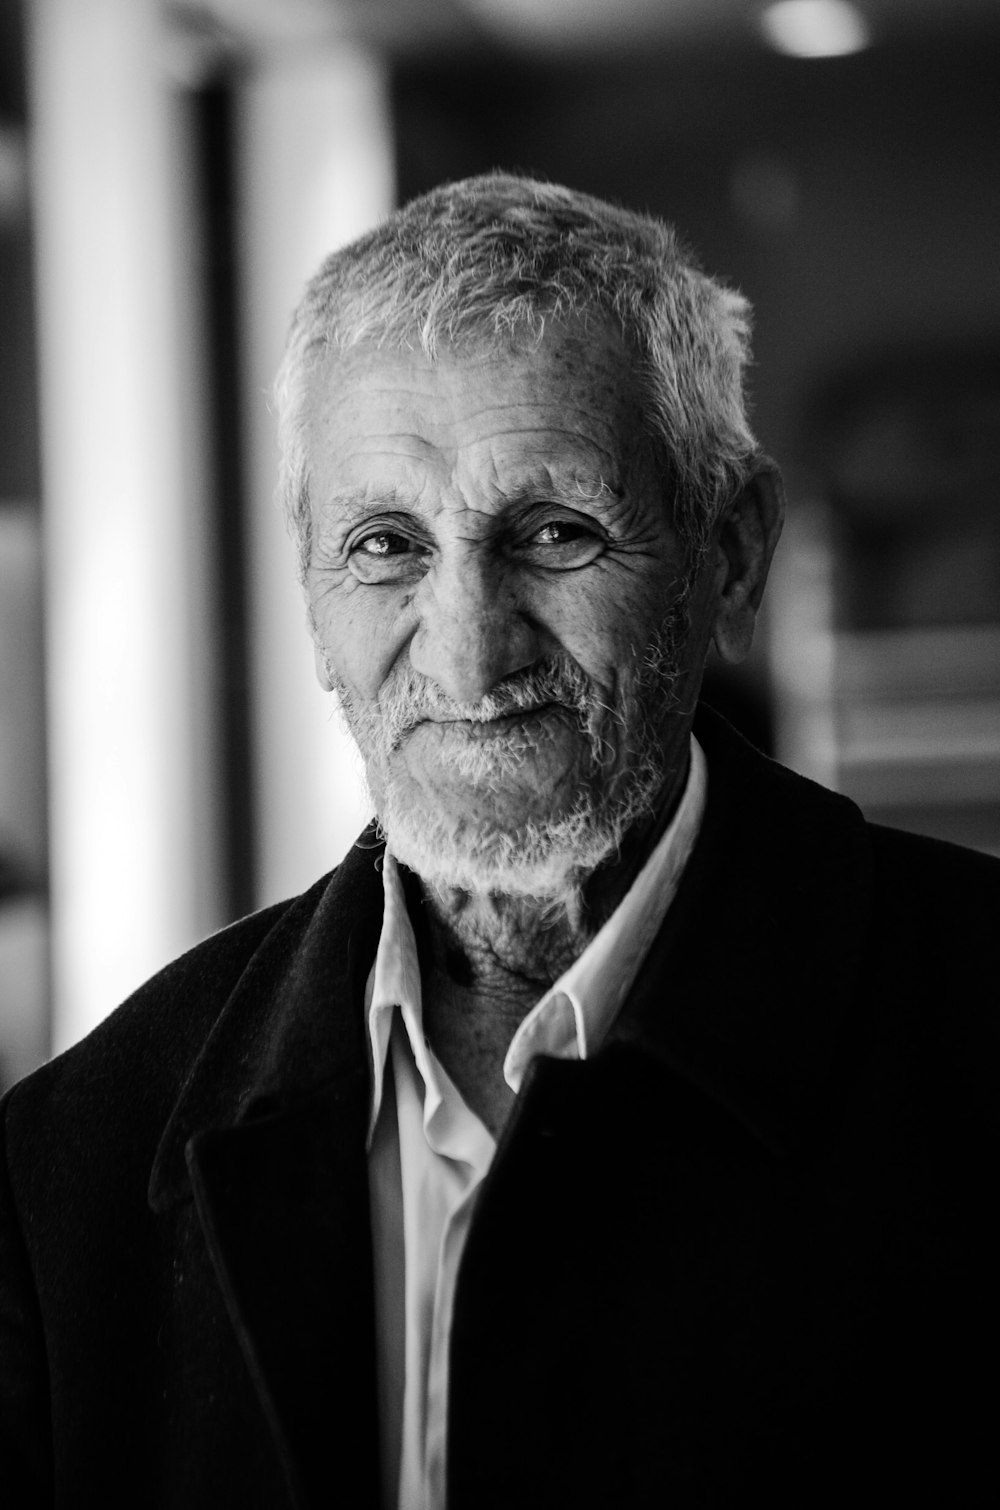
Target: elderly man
<point>615,1125</point>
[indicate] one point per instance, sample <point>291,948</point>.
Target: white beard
<point>618,779</point>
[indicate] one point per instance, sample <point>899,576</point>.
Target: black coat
<point>743,1256</point>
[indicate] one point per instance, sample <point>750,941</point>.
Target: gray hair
<point>493,258</point>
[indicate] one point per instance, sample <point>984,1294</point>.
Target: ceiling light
<point>814,28</point>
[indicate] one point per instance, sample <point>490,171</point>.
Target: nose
<point>471,631</point>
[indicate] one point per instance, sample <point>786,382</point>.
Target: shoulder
<point>769,804</point>
<point>79,1138</point>
<point>930,968</point>
<point>931,961</point>
<point>898,849</point>
<point>919,881</point>
<point>825,884</point>
<point>140,1054</point>
<point>133,1064</point>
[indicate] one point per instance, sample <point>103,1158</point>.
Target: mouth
<point>524,726</point>
<point>530,755</point>
<point>495,728</point>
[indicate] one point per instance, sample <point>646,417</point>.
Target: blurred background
<point>170,173</point>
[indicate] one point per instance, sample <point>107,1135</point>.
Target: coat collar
<point>289,1029</point>
<point>750,988</point>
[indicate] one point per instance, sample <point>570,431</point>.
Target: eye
<point>384,555</point>
<point>559,532</point>
<point>385,543</point>
<point>562,544</point>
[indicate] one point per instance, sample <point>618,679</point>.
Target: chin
<point>521,864</point>
<point>542,858</point>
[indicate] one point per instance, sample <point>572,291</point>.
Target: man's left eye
<point>559,532</point>
<point>562,544</point>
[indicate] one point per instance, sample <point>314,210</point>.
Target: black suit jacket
<point>744,1255</point>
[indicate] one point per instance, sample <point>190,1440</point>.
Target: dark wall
<point>856,200</point>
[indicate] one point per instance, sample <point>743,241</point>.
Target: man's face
<point>501,601</point>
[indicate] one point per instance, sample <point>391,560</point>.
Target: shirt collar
<point>575,1014</point>
<point>394,983</point>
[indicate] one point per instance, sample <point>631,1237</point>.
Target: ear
<point>745,541</point>
<point>322,675</point>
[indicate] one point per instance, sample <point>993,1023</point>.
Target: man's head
<point>526,498</point>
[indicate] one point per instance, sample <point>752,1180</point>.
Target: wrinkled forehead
<point>571,381</point>
<point>559,362</point>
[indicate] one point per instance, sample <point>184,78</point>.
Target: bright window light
<point>815,28</point>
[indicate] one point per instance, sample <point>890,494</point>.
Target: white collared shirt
<point>428,1152</point>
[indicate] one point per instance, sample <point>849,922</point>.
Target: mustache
<point>409,698</point>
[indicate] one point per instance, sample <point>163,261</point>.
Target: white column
<point>132,841</point>
<point>316,170</point>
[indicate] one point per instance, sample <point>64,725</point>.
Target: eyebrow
<point>566,482</point>
<point>356,502</point>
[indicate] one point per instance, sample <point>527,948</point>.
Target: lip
<point>493,728</point>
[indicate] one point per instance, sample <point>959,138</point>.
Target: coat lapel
<point>283,1202</point>
<point>268,1137</point>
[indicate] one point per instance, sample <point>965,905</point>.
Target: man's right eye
<point>385,543</point>
<point>385,556</point>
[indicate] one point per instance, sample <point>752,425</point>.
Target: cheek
<point>580,618</point>
<point>354,629</point>
<point>608,643</point>
<point>606,615</point>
